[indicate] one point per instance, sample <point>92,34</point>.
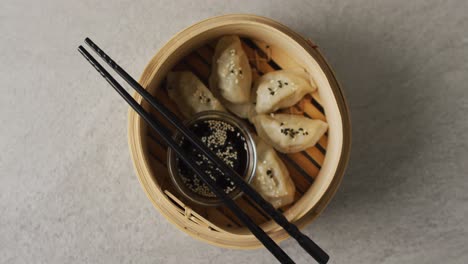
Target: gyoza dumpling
<point>289,133</point>
<point>242,110</point>
<point>271,178</point>
<point>231,75</point>
<point>281,89</point>
<point>190,94</point>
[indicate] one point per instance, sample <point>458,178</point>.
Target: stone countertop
<point>68,192</point>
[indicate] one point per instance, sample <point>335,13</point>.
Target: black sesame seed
<point>300,129</point>
<point>272,93</point>
<point>281,124</point>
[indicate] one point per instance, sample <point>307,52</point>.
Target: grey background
<point>68,192</point>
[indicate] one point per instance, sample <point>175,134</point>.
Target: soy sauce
<point>227,142</point>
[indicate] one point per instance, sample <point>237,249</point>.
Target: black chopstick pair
<point>306,243</point>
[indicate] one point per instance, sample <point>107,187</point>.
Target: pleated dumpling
<point>190,94</point>
<point>289,133</point>
<point>242,110</point>
<point>231,75</point>
<point>271,178</point>
<point>281,89</point>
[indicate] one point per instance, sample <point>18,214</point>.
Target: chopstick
<point>166,136</point>
<point>306,243</point>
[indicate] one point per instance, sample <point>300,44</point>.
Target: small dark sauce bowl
<point>184,180</point>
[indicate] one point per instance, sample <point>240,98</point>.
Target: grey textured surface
<point>68,192</point>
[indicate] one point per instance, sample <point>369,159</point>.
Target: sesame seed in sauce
<point>227,143</point>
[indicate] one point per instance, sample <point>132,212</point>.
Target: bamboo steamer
<point>316,172</point>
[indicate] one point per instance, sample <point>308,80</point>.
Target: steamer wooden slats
<point>264,215</point>
<point>206,54</point>
<point>163,179</point>
<point>316,172</point>
<point>254,212</point>
<point>300,182</point>
<point>323,142</point>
